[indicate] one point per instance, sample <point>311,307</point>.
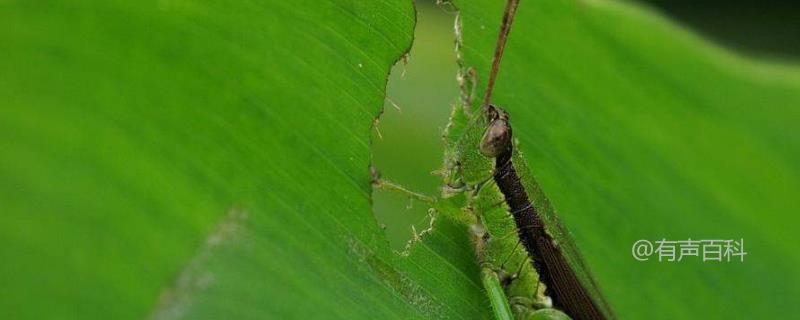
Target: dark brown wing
<point>568,282</point>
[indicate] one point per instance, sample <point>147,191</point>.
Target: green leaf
<point>185,159</point>
<point>207,159</point>
<point>635,129</point>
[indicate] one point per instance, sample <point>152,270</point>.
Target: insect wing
<point>560,234</point>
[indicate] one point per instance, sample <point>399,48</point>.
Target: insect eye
<point>496,139</point>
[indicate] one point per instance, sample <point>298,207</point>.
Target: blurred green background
<point>407,148</point>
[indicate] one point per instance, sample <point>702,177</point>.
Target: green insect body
<point>470,197</point>
<point>467,172</point>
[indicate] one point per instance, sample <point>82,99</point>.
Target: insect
<point>550,253</point>
<point>555,258</point>
<point>564,286</point>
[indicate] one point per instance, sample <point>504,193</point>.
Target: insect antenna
<point>505,29</point>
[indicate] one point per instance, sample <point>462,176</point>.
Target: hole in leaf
<point>407,145</point>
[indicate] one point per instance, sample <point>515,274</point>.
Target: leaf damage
<point>175,300</point>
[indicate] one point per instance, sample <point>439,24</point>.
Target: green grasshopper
<point>494,231</point>
<point>468,196</point>
<point>510,211</point>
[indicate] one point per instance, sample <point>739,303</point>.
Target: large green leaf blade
<point>205,159</point>
<point>635,129</point>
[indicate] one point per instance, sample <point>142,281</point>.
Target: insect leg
<point>513,251</point>
<point>381,183</point>
<point>497,296</point>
